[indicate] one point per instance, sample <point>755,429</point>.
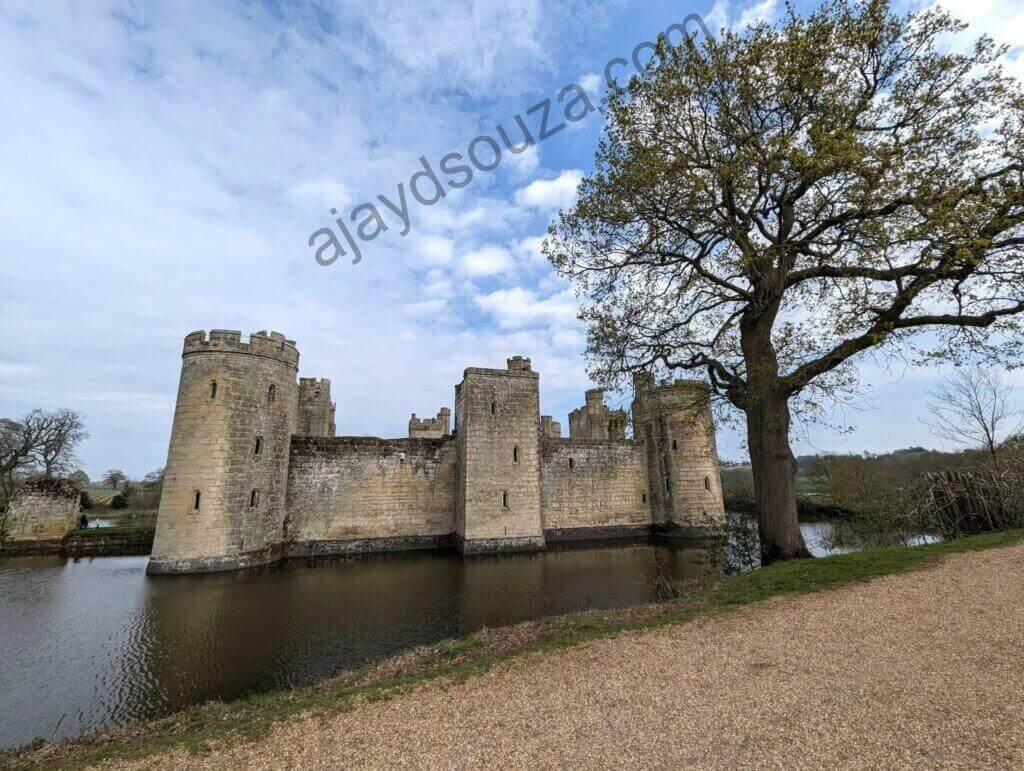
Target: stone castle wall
<point>254,472</point>
<point>587,485</point>
<point>347,491</point>
<point>46,510</point>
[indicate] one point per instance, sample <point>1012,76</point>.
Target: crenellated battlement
<point>518,364</point>
<point>680,393</point>
<point>270,345</point>
<point>549,427</point>
<point>431,428</point>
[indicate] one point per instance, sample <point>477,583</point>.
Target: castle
<point>255,473</point>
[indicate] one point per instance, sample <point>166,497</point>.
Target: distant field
<point>807,485</point>
<point>101,495</point>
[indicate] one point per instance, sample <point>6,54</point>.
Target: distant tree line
<point>143,494</point>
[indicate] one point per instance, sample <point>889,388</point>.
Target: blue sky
<point>164,165</point>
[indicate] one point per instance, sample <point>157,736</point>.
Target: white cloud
<point>320,194</point>
<point>434,250</point>
<point>486,261</point>
<point>569,339</point>
<point>519,307</point>
<point>529,250</point>
<point>525,163</point>
<point>551,194</point>
<point>762,11</point>
<point>724,14</point>
<point>592,83</point>
<point>424,308</point>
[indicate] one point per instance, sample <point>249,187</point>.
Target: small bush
<point>86,501</point>
<point>118,502</point>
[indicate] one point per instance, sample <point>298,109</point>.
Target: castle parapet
<point>270,345</point>
<point>550,428</point>
<point>595,422</point>
<point>431,428</point>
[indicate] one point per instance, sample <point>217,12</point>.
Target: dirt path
<point>923,669</point>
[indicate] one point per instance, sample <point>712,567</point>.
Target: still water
<point>91,642</point>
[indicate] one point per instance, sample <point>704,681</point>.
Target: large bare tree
<point>974,408</point>
<point>41,441</point>
<point>55,453</point>
<point>770,205</point>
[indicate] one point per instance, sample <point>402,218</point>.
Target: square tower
<point>497,414</point>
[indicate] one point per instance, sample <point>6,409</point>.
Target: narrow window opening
<point>707,484</point>
<point>494,408</point>
<point>254,498</point>
<point>259,446</point>
<point>674,445</point>
<point>504,499</point>
<point>213,389</point>
<point>271,394</point>
<point>666,484</point>
<point>572,463</point>
<point>643,497</point>
<point>515,454</point>
<point>195,500</point>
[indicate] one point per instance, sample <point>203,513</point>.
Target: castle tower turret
<point>673,421</point>
<point>497,498</point>
<point>223,500</point>
<point>316,410</point>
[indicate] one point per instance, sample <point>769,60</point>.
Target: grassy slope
<point>198,727</point>
<point>100,532</point>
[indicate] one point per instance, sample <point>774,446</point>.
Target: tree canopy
<point>844,173</point>
<point>768,205</point>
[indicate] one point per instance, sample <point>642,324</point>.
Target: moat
<point>94,642</point>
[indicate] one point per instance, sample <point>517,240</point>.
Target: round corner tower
<point>223,499</point>
<point>674,424</point>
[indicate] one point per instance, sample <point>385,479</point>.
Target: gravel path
<point>923,669</point>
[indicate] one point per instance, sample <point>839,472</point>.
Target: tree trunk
<point>771,460</point>
<point>774,471</point>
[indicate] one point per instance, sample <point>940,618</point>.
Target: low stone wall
<point>592,485</point>
<point>118,542</point>
<point>369,490</point>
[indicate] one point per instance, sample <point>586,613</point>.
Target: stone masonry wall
<point>46,510</point>
<point>497,429</point>
<point>674,424</point>
<point>592,484</point>
<point>360,488</point>
<point>316,410</point>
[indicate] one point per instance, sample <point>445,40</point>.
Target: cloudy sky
<point>164,164</point>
